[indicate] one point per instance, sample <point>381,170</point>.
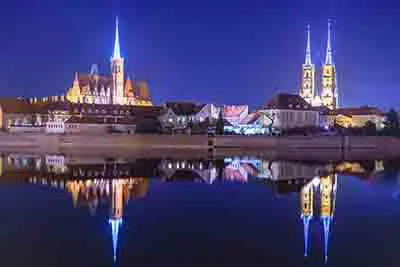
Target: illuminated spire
<point>76,80</point>
<point>117,51</point>
<point>306,223</point>
<point>327,225</point>
<point>115,225</point>
<point>329,56</point>
<point>308,49</point>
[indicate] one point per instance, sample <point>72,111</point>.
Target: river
<point>231,211</point>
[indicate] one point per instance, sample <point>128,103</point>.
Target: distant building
<point>117,89</point>
<point>178,115</point>
<point>353,117</point>
<point>286,111</point>
<point>235,114</point>
<point>61,116</point>
<point>252,124</point>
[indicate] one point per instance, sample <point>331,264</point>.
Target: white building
<point>286,111</point>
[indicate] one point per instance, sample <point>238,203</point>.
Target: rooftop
<point>288,101</point>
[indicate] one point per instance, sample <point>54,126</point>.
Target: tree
<point>392,121</point>
<point>190,124</point>
<point>220,124</point>
<point>271,117</point>
<point>369,128</point>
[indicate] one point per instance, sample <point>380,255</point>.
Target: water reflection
<point>116,181</point>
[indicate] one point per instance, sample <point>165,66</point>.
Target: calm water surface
<point>231,212</point>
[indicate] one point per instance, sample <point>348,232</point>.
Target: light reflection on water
<point>308,190</point>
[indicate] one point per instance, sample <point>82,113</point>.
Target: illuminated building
<point>307,85</point>
<point>235,114</point>
<point>95,89</point>
<point>353,117</point>
<point>287,111</point>
<point>329,95</point>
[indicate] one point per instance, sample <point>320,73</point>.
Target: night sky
<point>219,51</point>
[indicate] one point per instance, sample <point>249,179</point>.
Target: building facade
<point>286,111</point>
<point>61,116</point>
<point>353,117</point>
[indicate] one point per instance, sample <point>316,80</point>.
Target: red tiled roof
<point>251,118</point>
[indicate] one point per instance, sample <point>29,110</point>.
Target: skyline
<point>196,52</point>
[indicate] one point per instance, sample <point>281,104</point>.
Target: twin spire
<point>329,52</point>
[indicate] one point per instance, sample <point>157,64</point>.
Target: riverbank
<point>199,146</point>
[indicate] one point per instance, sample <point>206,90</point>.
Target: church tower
<point>307,211</point>
<point>329,95</point>
<point>307,84</point>
<point>117,69</point>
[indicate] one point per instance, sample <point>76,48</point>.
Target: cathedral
<point>116,89</point>
<point>328,95</point>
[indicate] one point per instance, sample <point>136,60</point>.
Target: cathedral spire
<point>308,49</point>
<point>76,80</point>
<point>117,52</point>
<point>329,56</point>
<point>306,223</point>
<point>327,225</point>
<point>115,225</point>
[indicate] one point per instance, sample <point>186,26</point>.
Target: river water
<point>238,211</point>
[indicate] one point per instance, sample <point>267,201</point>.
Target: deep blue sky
<point>221,51</point>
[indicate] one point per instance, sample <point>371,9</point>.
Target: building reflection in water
<point>326,186</point>
<point>112,183</point>
<point>116,191</point>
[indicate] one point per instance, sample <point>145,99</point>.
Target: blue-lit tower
<point>117,202</point>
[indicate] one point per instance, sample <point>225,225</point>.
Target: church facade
<point>116,89</point>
